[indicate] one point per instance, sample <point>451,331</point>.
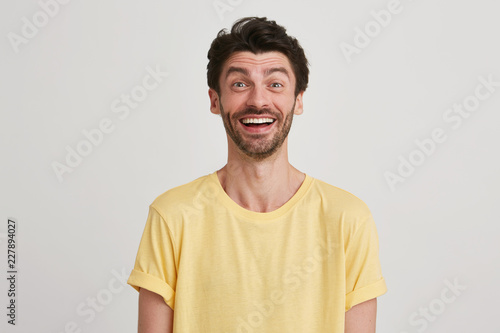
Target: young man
<point>257,246</point>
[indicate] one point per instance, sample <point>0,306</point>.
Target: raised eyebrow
<point>266,73</point>
<point>277,69</point>
<point>237,70</point>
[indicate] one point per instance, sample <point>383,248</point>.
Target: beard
<point>258,147</point>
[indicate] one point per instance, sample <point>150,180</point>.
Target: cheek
<point>232,104</point>
<point>286,104</point>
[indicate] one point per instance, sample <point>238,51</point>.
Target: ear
<point>214,101</point>
<point>299,105</point>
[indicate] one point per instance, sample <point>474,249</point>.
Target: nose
<point>258,97</point>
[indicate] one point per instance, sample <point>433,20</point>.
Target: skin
<point>258,175</point>
<point>361,318</point>
<point>260,184</point>
<point>155,316</point>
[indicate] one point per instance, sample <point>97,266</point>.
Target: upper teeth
<point>257,120</point>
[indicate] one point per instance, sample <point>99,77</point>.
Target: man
<point>257,246</point>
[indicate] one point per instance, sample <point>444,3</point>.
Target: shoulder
<point>185,195</point>
<point>338,199</point>
<point>353,215</point>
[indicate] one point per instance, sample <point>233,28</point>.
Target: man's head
<point>257,76</point>
<point>256,35</point>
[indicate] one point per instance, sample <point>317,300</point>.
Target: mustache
<point>254,111</point>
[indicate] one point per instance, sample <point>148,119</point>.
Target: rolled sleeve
<point>155,266</point>
<point>364,279</point>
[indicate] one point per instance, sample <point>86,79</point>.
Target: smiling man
<point>257,246</point>
<point>258,118</point>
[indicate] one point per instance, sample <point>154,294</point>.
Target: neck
<point>260,186</point>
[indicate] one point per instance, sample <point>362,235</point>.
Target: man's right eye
<point>238,84</point>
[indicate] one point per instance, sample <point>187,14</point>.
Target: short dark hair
<point>257,35</point>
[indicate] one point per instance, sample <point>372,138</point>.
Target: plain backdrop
<point>378,85</point>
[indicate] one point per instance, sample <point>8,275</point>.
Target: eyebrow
<point>277,69</point>
<point>267,72</point>
<point>236,70</point>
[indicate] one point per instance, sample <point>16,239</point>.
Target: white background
<point>362,113</point>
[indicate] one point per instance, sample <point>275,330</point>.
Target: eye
<point>276,85</point>
<point>239,84</point>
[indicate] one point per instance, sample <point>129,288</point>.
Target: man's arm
<point>155,316</point>
<point>361,318</point>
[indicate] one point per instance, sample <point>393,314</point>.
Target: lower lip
<point>255,129</point>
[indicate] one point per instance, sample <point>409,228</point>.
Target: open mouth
<point>257,122</point>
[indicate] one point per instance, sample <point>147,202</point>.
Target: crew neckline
<point>234,207</point>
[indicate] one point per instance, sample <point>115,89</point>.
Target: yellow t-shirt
<point>223,268</point>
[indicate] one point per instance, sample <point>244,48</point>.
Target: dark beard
<point>258,149</point>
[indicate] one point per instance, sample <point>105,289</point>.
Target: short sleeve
<point>155,266</point>
<point>364,279</point>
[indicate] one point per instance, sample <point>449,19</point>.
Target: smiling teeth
<point>257,120</point>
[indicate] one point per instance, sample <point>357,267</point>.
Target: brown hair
<point>257,35</point>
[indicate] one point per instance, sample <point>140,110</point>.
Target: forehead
<point>257,62</point>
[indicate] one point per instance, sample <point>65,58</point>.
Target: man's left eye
<point>276,85</point>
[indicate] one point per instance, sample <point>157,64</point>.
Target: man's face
<point>257,101</point>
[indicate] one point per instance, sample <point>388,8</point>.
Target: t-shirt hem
<point>366,293</point>
<point>138,279</point>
